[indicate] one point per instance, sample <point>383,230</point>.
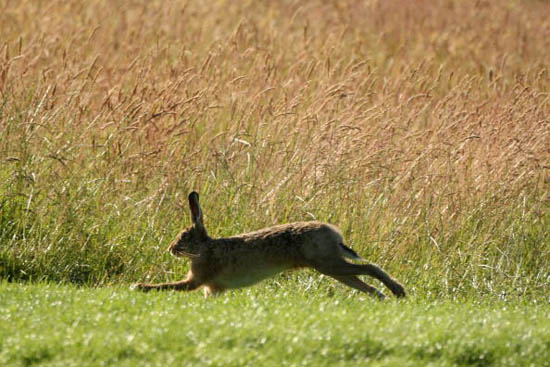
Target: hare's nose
<point>172,246</point>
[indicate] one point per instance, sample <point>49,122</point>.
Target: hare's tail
<point>349,253</point>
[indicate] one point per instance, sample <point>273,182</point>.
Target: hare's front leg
<point>188,284</point>
<point>212,290</point>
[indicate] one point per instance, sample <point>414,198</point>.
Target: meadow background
<point>420,128</point>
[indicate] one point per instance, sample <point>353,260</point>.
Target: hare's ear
<point>196,212</point>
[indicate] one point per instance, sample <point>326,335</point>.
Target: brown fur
<point>245,259</point>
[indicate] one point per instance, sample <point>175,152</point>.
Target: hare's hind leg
<point>342,267</point>
<point>354,282</point>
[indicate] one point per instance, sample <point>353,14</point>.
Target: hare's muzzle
<point>172,249</point>
<point>175,250</point>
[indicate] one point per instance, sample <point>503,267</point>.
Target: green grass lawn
<point>268,325</point>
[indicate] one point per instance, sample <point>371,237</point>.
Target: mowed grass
<point>53,325</point>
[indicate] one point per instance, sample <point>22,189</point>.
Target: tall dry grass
<point>421,128</point>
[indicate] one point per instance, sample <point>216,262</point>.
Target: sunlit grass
<point>424,138</point>
<point>52,326</point>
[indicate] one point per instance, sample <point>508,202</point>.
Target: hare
<point>245,259</point>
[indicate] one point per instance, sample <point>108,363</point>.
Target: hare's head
<point>189,243</point>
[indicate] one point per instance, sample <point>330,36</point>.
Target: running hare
<point>245,259</point>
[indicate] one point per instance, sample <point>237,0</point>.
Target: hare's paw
<point>398,290</point>
<point>139,287</point>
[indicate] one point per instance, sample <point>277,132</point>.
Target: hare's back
<point>294,232</point>
<point>293,242</point>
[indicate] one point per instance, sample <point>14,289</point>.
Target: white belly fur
<point>247,276</point>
